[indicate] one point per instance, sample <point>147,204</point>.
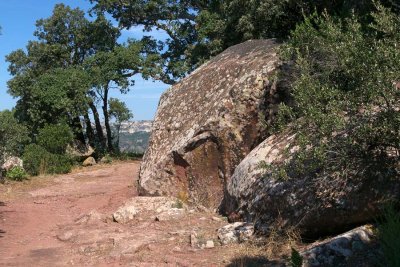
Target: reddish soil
<point>66,221</point>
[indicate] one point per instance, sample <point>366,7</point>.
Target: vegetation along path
<point>67,220</point>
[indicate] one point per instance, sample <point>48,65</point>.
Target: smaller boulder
<point>162,208</point>
<point>90,161</point>
<point>125,214</point>
<point>235,233</point>
<point>12,162</point>
<point>357,247</point>
<point>79,150</point>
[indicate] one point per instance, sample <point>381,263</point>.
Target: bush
<point>16,174</point>
<point>345,76</point>
<point>13,135</point>
<point>37,160</point>
<point>55,138</point>
<point>389,235</point>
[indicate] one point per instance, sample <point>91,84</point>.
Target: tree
<point>119,111</point>
<point>13,136</point>
<point>198,30</point>
<point>65,40</point>
<point>114,69</point>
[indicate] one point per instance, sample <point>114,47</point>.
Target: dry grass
<point>13,189</point>
<point>268,252</point>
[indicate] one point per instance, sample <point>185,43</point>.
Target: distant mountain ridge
<point>134,136</point>
<point>136,126</point>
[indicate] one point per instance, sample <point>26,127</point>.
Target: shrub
<point>16,174</point>
<point>346,98</point>
<point>37,160</point>
<point>107,159</point>
<point>296,260</point>
<point>389,235</point>
<point>13,135</point>
<point>55,138</point>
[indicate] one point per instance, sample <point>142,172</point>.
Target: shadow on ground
<point>254,262</point>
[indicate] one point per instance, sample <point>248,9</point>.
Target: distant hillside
<point>134,136</point>
<point>136,126</point>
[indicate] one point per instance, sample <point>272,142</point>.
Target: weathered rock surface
<point>206,124</point>
<point>79,150</point>
<point>12,162</point>
<point>302,203</point>
<point>90,161</point>
<point>357,247</point>
<point>235,233</point>
<point>163,208</point>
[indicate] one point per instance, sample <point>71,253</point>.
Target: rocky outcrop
<point>79,151</point>
<point>358,247</point>
<point>12,162</point>
<point>235,233</point>
<point>207,123</point>
<point>284,204</point>
<point>162,208</point>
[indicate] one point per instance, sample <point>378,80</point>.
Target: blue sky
<point>17,20</point>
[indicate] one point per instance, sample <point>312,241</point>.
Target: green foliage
<point>136,142</point>
<point>107,159</point>
<point>128,156</point>
<point>55,138</point>
<point>346,97</point>
<point>389,232</point>
<point>38,161</point>
<point>296,260</point>
<point>13,135</point>
<point>119,110</point>
<point>198,30</point>
<point>71,67</point>
<point>16,174</point>
<point>35,158</point>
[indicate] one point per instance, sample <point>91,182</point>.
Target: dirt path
<point>67,221</point>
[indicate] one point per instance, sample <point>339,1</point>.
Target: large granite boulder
<point>301,203</point>
<point>207,123</point>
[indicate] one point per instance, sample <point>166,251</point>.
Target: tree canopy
<point>68,71</point>
<point>198,30</point>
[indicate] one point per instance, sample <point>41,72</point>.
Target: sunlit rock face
<point>207,123</point>
<point>313,207</point>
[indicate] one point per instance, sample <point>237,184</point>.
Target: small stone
<point>177,249</point>
<point>216,219</point>
<point>210,244</point>
<point>67,236</point>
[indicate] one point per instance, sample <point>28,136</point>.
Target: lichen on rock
<point>207,123</point>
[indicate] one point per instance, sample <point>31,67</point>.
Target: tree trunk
<point>99,129</point>
<point>106,120</point>
<point>89,130</point>
<point>118,125</point>
<point>78,130</point>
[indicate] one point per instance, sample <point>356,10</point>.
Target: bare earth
<point>66,221</point>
